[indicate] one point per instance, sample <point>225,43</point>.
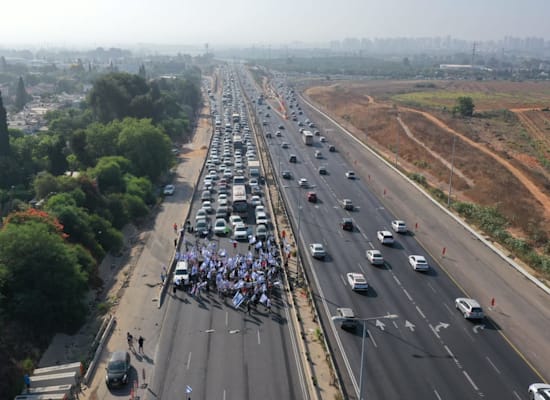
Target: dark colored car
<point>332,149</point>
<point>118,369</point>
<point>347,224</point>
<point>286,175</point>
<point>312,197</point>
<point>322,171</point>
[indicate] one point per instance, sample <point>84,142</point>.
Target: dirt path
<point>542,198</point>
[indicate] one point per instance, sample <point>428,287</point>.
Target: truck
<point>308,138</point>
<point>254,169</point>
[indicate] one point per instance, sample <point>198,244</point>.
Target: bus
<point>240,206</point>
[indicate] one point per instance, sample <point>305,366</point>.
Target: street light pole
<point>364,320</point>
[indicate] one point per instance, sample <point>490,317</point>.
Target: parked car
<point>118,368</point>
<point>169,190</point>
<point>240,232</point>
<point>220,227</point>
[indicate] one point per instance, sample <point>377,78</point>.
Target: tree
<point>4,135</point>
<point>44,287</point>
<point>21,95</point>
<point>465,106</point>
<point>146,146</point>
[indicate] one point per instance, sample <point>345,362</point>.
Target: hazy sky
<point>219,22</point>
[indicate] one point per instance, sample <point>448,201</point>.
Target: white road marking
<point>407,294</point>
<point>493,365</point>
<point>259,341</point>
<point>396,280</point>
<point>223,397</point>
<point>361,268</point>
<point>449,351</point>
<point>471,381</point>
<point>437,395</point>
<point>431,287</point>
<point>210,331</point>
<point>371,338</point>
<point>226,319</point>
<point>517,395</point>
<point>343,280</point>
<point>371,245</point>
<point>188,360</point>
<point>420,312</point>
<point>395,324</point>
<point>434,331</point>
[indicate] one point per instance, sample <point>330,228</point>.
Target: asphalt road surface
<point>430,351</point>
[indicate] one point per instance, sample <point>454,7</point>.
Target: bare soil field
<point>502,155</point>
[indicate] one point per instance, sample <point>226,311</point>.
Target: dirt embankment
<point>490,159</point>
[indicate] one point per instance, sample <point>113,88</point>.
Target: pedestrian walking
<point>175,242</point>
<point>248,307</point>
<point>27,380</point>
<point>130,340</point>
<point>268,305</point>
<point>174,289</point>
<point>140,344</point>
<point>175,228</point>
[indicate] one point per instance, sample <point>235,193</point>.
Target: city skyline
<point>244,22</point>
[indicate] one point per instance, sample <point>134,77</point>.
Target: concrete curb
<point>106,333</point>
<point>478,236</point>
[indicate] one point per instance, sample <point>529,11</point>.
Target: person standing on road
<point>140,344</point>
<point>130,339</point>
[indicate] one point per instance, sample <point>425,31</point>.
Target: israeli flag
<point>188,389</point>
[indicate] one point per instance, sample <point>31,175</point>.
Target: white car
<point>235,220</point>
<point>259,209</point>
<point>207,206</point>
<point>256,201</point>
<point>220,227</point>
<point>357,281</point>
<point>261,218</point>
<point>469,308</point>
<point>169,190</point>
<point>222,196</point>
<point>385,237</point>
<point>240,232</point>
<point>181,274</point>
<point>317,250</point>
<point>418,263</point>
<point>539,391</point>
<point>375,257</point>
<point>350,175</point>
<point>201,214</point>
<point>399,226</point>
<point>303,182</point>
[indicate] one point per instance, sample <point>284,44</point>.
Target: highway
<point>430,351</point>
<point>218,351</point>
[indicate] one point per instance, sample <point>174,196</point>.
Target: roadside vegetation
<point>65,195</point>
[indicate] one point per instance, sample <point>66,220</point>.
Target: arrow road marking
<point>409,325</point>
<point>441,325</point>
<point>380,324</point>
<point>476,328</point>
